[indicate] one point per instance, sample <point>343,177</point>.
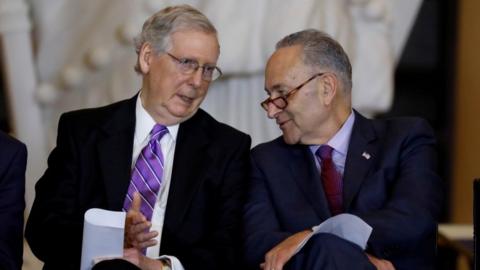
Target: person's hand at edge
<point>279,255</point>
<point>380,264</point>
<point>137,227</point>
<point>136,257</point>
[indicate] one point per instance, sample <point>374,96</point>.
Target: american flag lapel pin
<point>366,155</point>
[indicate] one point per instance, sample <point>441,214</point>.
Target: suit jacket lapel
<point>305,173</point>
<point>115,153</point>
<point>361,154</point>
<point>191,158</point>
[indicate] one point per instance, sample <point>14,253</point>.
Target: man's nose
<point>196,79</point>
<point>272,110</point>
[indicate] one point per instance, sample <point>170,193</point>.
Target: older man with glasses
<point>337,190</point>
<point>179,173</point>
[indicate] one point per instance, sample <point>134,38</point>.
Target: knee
<point>328,251</point>
<point>329,242</point>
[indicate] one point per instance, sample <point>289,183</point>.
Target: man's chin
<point>289,139</point>
<point>184,114</point>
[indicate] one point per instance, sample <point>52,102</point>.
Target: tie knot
<point>157,132</point>
<point>325,152</point>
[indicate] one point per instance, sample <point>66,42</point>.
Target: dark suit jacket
<point>90,167</point>
<point>396,191</point>
<point>13,160</point>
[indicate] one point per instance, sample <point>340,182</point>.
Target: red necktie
<point>331,179</point>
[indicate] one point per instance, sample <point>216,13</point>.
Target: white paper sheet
<point>346,226</point>
<point>103,232</point>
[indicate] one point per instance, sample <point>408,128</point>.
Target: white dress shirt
<point>143,125</point>
<point>346,226</point>
<point>339,142</point>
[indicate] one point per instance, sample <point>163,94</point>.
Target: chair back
<point>476,223</point>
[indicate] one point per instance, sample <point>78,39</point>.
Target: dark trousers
<point>115,264</point>
<point>329,252</point>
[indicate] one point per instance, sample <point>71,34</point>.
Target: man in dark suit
<point>332,160</point>
<point>197,211</point>
<point>13,160</point>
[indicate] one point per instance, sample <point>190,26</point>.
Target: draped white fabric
<point>237,101</point>
<point>85,57</point>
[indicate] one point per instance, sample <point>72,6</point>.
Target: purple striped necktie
<point>147,173</point>
<point>331,179</point>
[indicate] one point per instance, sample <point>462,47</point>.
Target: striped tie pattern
<point>331,179</point>
<point>147,173</point>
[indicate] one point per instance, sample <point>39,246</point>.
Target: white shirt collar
<point>144,124</point>
<point>341,139</point>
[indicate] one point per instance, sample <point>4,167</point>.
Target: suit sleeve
<point>261,226</point>
<point>414,198</point>
<point>12,205</point>
<point>54,227</point>
<point>220,249</point>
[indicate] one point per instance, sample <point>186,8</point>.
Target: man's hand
<point>279,255</point>
<point>137,227</point>
<point>136,257</point>
<point>380,264</point>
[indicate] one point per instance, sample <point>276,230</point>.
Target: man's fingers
<point>270,259</point>
<point>142,237</point>
<point>149,243</point>
<point>139,237</point>
<point>139,227</point>
<point>380,264</point>
<point>135,217</point>
<point>137,202</point>
<point>280,261</point>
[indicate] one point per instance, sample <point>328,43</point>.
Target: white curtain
<point>85,57</point>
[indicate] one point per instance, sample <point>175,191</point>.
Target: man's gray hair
<point>321,51</point>
<point>157,29</point>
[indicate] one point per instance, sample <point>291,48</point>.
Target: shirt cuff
<point>175,263</point>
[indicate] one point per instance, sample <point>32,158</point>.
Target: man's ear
<point>330,87</point>
<point>145,57</point>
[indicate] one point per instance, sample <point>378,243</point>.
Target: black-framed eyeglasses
<point>281,102</point>
<point>189,66</point>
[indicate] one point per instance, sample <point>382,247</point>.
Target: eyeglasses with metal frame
<point>281,101</point>
<point>189,66</point>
